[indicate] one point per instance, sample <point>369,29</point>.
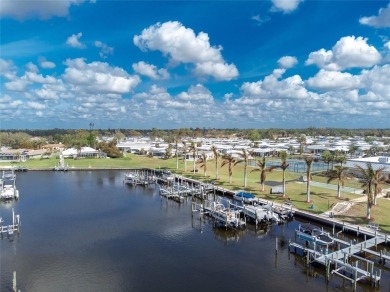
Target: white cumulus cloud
<point>150,70</point>
<point>45,64</point>
<point>333,80</point>
<point>98,77</point>
<point>287,62</point>
<point>35,105</point>
<point>285,6</point>
<point>380,21</point>
<point>348,52</point>
<point>23,9</point>
<point>74,41</point>
<point>182,45</point>
<point>197,93</point>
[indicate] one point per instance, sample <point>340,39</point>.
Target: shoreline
<point>323,219</point>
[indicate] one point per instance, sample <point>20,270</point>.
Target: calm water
<point>86,231</point>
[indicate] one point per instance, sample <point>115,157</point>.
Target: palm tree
<point>302,142</point>
<point>203,162</point>
<point>339,174</point>
<point>309,161</point>
<point>368,178</point>
<point>284,165</point>
<point>353,149</point>
<point>327,157</point>
<point>244,155</point>
<point>263,171</point>
<point>379,178</point>
<point>177,153</point>
<point>216,155</point>
<point>184,156</point>
<point>192,148</point>
<point>229,160</point>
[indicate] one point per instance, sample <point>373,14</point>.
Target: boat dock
<point>143,178</point>
<point>8,189</point>
<point>9,230</point>
<point>341,259</point>
<point>226,217</point>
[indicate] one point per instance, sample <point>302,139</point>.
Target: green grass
<point>379,214</point>
<point>322,198</point>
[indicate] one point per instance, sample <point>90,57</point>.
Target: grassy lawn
<point>379,214</point>
<point>322,198</point>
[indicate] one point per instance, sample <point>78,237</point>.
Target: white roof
<point>375,162</point>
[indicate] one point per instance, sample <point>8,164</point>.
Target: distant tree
<point>368,179</point>
<point>119,136</point>
<point>291,149</point>
<point>177,152</point>
<point>244,158</point>
<point>253,135</point>
<point>230,161</point>
<point>353,149</point>
<point>309,161</point>
<point>203,163</point>
<point>284,165</point>
<point>339,174</point>
<point>110,149</point>
<point>379,179</point>
<point>185,151</point>
<point>168,152</point>
<point>302,142</point>
<point>263,169</point>
<point>91,139</point>
<point>192,148</point>
<point>327,157</point>
<point>216,155</point>
<point>341,158</point>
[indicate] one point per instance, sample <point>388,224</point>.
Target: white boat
<point>224,216</point>
<point>244,197</point>
<point>260,213</point>
<point>131,178</point>
<point>8,189</point>
<point>311,234</point>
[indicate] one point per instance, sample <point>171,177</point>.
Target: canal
<point>87,231</point>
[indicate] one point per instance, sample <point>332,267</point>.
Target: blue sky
<point>213,64</point>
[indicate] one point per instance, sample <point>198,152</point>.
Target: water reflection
<point>87,231</point>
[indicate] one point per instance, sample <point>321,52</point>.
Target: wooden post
<point>327,262</point>
<point>14,288</point>
<point>371,271</point>
<point>307,258</point>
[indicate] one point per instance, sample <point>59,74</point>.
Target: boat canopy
<point>245,195</point>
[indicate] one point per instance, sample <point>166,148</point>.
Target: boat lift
<point>9,230</point>
<point>340,259</point>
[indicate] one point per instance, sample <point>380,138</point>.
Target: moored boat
<point>314,234</point>
<point>244,197</point>
<point>8,189</point>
